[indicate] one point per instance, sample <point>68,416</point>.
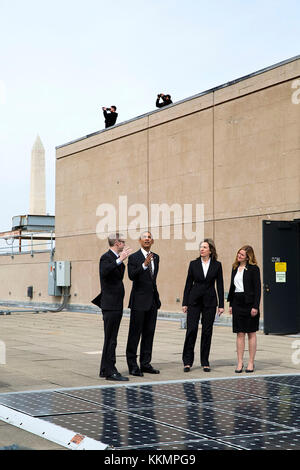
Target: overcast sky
<point>61,61</point>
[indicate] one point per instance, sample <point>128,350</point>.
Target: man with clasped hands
<point>144,302</point>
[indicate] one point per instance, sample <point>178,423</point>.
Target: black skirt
<point>242,320</point>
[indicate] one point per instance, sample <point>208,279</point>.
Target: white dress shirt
<point>118,261</point>
<point>238,281</point>
<point>146,253</point>
<point>205,267</point>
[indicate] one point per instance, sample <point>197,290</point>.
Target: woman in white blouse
<point>203,296</point>
<point>244,297</point>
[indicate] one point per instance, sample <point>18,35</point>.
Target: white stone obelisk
<point>37,204</point>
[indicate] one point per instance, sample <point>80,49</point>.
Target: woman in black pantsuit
<point>200,298</point>
<point>244,297</point>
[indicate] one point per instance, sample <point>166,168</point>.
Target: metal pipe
<point>63,305</point>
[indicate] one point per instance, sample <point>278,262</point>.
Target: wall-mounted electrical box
<point>53,289</point>
<point>30,292</point>
<point>63,273</point>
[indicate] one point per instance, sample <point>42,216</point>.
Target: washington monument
<point>37,205</point>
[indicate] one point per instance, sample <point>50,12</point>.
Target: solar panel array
<point>246,413</point>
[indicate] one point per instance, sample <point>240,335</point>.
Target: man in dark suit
<point>166,100</point>
<point>111,117</point>
<point>110,300</point>
<point>144,303</point>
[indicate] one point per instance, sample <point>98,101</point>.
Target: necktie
<point>151,269</point>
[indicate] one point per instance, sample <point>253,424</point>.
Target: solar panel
<point>260,412</point>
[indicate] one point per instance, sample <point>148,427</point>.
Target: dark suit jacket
<point>198,288</point>
<point>111,282</point>
<point>144,290</point>
<point>110,118</point>
<point>252,285</point>
<point>164,103</point>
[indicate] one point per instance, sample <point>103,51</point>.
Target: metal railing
<point>27,243</point>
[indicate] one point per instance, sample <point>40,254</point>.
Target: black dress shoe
<point>117,376</point>
<point>136,371</point>
<point>186,369</point>
<point>150,370</point>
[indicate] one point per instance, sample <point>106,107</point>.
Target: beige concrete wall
<point>235,149</point>
<point>22,271</point>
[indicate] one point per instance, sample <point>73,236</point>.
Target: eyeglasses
<point>122,241</point>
